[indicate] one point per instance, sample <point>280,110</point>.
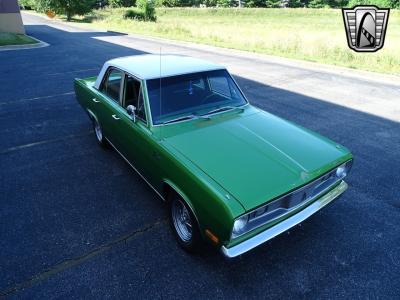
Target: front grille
<point>290,202</point>
<point>293,200</point>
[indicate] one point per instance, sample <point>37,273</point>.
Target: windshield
<point>192,94</point>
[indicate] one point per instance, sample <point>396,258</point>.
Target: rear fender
<point>92,115</point>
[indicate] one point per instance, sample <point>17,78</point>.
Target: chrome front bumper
<point>285,224</point>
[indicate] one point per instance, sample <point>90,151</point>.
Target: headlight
<point>239,225</point>
<point>342,170</point>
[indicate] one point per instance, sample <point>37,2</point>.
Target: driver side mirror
<point>131,110</point>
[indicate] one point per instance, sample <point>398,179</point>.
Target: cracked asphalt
<point>77,222</point>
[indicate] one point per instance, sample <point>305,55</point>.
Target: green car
<point>231,174</point>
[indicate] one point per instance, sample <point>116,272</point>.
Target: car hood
<point>257,157</point>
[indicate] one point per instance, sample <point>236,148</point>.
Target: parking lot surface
<point>77,222</point>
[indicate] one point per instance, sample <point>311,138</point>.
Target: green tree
<point>317,3</point>
<point>294,3</point>
<point>254,3</point>
<point>121,3</point>
<point>67,7</point>
<point>379,3</point>
<point>209,3</point>
<point>337,3</point>
<point>225,3</point>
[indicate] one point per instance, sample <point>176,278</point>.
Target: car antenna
<point>160,94</point>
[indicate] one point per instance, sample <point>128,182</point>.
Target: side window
<point>199,84</point>
<point>133,96</point>
<point>112,84</point>
<point>220,85</point>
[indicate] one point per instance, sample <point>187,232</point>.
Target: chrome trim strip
<point>237,85</point>
<point>135,169</point>
<point>284,225</point>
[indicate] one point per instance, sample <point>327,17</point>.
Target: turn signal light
<point>212,236</point>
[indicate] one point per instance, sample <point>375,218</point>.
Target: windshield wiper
<point>184,118</point>
<point>221,109</point>
<point>202,116</point>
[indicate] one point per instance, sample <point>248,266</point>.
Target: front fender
<point>176,189</point>
<point>214,208</point>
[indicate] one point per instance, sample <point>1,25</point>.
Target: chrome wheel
<point>97,130</point>
<point>182,220</point>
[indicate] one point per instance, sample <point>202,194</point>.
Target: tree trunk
<point>69,16</point>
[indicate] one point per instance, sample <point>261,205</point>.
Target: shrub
<point>148,8</point>
<point>27,4</point>
<point>134,14</point>
<point>145,11</point>
<point>273,3</point>
<point>179,3</point>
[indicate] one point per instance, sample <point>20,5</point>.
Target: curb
<point>39,44</point>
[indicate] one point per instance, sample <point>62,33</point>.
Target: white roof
<point>147,66</point>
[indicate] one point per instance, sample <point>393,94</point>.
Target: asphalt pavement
<point>77,222</point>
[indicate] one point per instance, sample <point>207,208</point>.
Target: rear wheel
<point>184,224</point>
<point>99,133</point>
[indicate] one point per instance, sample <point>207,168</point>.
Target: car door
<point>132,137</point>
<point>108,102</point>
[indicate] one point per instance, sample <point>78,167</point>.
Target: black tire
<point>98,133</point>
<point>189,241</point>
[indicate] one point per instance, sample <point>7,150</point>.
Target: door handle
<point>95,100</point>
<point>156,155</point>
<point>115,117</point>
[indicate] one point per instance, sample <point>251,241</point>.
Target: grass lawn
<point>8,39</point>
<point>308,34</point>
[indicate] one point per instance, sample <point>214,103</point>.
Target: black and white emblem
<point>365,27</point>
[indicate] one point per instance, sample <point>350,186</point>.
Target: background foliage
<point>300,33</point>
<point>67,7</point>
<point>81,5</point>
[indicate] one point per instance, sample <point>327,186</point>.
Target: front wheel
<point>184,225</point>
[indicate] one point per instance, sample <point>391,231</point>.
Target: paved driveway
<point>76,221</point>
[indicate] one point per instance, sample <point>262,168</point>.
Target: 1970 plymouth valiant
<point>231,174</point>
